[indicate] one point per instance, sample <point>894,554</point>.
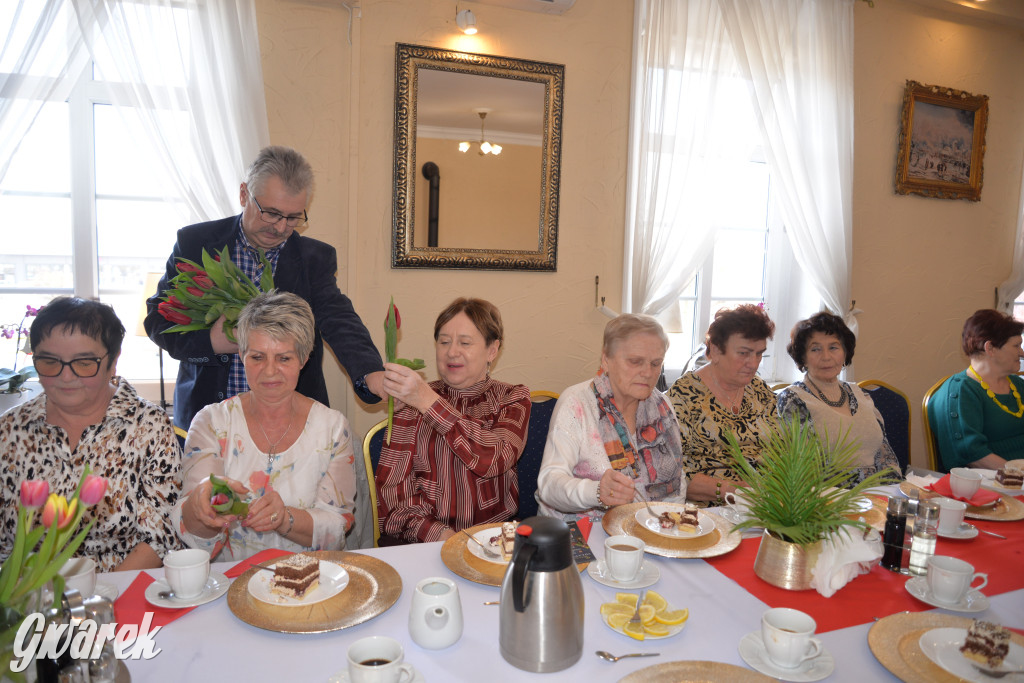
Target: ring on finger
<point>273,517</point>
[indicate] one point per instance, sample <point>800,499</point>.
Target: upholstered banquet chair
<point>528,468</point>
<point>372,444</point>
<point>894,406</point>
<point>930,438</point>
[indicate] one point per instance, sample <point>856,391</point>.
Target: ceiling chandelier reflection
<point>484,146</point>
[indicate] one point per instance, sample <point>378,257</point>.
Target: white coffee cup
<point>80,573</point>
<point>737,502</point>
<point>964,482</point>
<point>949,578</point>
<point>435,618</point>
<point>951,515</point>
<point>378,659</point>
<point>787,635</point>
<point>186,572</point>
<point>623,556</point>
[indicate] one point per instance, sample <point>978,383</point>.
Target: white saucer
<point>961,533</point>
<point>216,586</point>
<point>342,677</point>
<point>647,576</point>
<point>753,653</point>
<point>107,590</point>
<point>973,601</point>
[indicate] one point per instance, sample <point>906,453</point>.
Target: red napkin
<point>982,497</point>
<point>585,525</point>
<point>131,606</point>
<point>258,558</point>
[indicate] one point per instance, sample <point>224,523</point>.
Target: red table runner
<point>881,592</point>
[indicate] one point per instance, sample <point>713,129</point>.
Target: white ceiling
<point>1003,12</point>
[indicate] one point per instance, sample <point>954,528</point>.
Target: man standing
<point>274,197</point>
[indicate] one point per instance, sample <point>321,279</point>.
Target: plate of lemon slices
<point>658,619</point>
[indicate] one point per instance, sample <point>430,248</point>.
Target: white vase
<point>26,392</point>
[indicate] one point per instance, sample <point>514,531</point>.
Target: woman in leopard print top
<point>89,416</point>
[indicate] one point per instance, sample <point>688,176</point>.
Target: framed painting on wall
<point>942,142</point>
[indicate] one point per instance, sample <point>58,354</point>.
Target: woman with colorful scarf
<point>614,439</point>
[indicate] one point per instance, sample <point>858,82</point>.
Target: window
<point>85,202</point>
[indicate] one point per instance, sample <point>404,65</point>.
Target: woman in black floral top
<point>724,395</point>
<point>89,416</point>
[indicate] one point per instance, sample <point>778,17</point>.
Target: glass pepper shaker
<point>893,535</point>
<point>926,529</point>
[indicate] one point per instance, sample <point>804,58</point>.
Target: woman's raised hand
<point>616,488</point>
<point>407,386</point>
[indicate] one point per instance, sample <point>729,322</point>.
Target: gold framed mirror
<point>478,141</point>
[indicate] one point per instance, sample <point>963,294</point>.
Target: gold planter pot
<point>784,564</point>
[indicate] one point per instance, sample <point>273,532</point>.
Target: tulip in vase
<point>40,550</point>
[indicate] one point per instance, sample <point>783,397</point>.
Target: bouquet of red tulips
<point>201,294</point>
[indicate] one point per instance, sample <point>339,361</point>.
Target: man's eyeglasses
<point>81,367</point>
<point>273,217</point>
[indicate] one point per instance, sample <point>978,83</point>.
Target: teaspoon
<point>609,657</point>
<point>966,526</point>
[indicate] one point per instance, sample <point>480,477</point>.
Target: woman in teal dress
<point>977,415</point>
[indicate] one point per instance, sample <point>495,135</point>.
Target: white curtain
<point>41,57</point>
<point>798,56</point>
<point>1014,285</point>
<point>190,68</point>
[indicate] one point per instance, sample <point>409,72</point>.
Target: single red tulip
<point>172,314</point>
<point>93,489</point>
<point>187,268</point>
<point>398,319</point>
<point>203,280</point>
<point>34,493</point>
<point>176,302</point>
<point>194,291</point>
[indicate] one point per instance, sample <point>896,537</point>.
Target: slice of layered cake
<point>508,539</point>
<point>685,520</point>
<point>295,575</point>
<point>1010,477</point>
<point>986,643</point>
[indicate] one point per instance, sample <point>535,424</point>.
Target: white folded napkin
<point>843,558</point>
<point>921,482</point>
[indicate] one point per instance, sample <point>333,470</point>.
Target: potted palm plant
<point>800,493</point>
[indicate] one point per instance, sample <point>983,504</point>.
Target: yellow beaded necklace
<point>992,394</point>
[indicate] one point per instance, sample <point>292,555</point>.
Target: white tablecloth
<point>210,643</point>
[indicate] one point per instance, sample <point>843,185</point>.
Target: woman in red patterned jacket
<point>451,463</point>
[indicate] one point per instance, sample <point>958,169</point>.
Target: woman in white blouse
<point>291,454</point>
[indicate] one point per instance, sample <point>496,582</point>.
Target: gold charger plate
<point>622,520</point>
<point>1006,509</point>
<point>373,587</point>
<point>906,660</point>
<point>456,557</point>
<point>685,672</point>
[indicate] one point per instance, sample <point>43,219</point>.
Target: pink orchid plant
<point>11,379</point>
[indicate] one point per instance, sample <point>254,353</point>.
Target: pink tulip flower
<point>93,489</point>
<point>57,508</point>
<point>34,493</point>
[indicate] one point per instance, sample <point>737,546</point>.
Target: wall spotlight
<point>466,21</point>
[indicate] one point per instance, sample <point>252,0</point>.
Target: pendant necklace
<point>732,401</point>
<point>273,446</point>
<point>992,394</point>
<point>821,394</point>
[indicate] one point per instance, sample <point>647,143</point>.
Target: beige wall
<point>920,265</point>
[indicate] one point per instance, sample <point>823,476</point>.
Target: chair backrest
<point>930,437</point>
<point>178,432</point>
<point>894,406</point>
<point>528,468</point>
<point>372,444</point>
<point>776,388</point>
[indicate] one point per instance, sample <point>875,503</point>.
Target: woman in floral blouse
<point>291,454</point>
<point>89,416</point>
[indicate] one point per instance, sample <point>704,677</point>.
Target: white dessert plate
<point>647,576</point>
<point>859,504</point>
<point>993,485</point>
<point>333,579</point>
<point>216,586</point>
<point>753,653</point>
<point>965,532</point>
<point>342,677</point>
<point>942,646</point>
<point>650,522</point>
<point>973,601</point>
<point>485,537</point>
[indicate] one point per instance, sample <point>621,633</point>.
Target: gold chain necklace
<point>732,401</point>
<point>992,394</point>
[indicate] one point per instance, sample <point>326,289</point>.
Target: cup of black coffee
<point>378,659</point>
